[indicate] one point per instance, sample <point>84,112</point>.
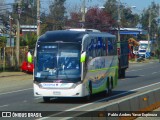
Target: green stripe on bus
<point>103,69</point>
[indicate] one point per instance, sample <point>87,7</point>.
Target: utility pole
<point>38,18</point>
<point>10,19</point>
<point>149,26</point>
<point>17,37</point>
<point>119,21</point>
<point>83,12</point>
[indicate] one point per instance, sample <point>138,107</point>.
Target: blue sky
<point>140,4</point>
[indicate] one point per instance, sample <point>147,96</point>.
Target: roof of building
<point>131,31</point>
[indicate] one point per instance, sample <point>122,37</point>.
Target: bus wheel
<point>109,86</point>
<point>106,92</point>
<point>88,97</point>
<point>46,99</point>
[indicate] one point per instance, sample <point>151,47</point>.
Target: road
<point>139,77</point>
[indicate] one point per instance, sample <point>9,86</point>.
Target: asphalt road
<point>139,77</point>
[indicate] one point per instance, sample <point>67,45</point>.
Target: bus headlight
<point>76,84</point>
<point>38,84</point>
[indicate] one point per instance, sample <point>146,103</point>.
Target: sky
<point>140,4</point>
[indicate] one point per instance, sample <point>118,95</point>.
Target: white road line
<point>154,72</point>
<point>139,69</point>
<point>37,98</point>
<point>15,91</point>
<point>104,99</point>
<point>3,106</point>
<point>141,75</point>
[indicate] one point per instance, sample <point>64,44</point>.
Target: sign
<point>147,55</point>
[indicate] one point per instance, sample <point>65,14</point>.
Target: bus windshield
<point>143,46</point>
<point>58,61</point>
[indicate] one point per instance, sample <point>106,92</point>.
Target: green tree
<point>31,39</point>
<point>28,11</point>
<point>57,13</point>
<point>128,19</point>
<point>111,8</point>
<point>3,41</point>
<point>151,12</point>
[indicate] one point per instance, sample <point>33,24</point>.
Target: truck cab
<point>143,47</point>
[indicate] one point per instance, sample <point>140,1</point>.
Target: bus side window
<point>115,48</point>
<point>94,48</point>
<point>99,46</point>
<point>110,47</point>
<point>104,47</point>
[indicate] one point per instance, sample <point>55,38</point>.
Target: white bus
<point>74,64</point>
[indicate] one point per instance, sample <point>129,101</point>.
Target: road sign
<point>147,55</point>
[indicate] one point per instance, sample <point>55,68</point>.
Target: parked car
<point>27,67</point>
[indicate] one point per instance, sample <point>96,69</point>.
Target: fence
<point>8,59</point>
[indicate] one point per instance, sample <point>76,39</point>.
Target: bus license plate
<point>56,93</point>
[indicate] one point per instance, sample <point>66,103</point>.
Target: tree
<point>98,19</point>
<point>28,40</point>
<point>128,19</point>
<point>3,41</point>
<point>73,22</point>
<point>57,13</point>
<point>151,12</point>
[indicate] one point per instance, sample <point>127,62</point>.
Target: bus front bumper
<point>78,91</point>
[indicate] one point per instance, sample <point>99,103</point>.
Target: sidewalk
<point>149,118</point>
<point>11,81</point>
<point>145,61</point>
<point>10,74</point>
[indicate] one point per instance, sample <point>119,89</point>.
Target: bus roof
<point>83,29</point>
<point>70,36</point>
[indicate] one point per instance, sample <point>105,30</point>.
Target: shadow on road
<point>135,76</point>
<point>97,98</point>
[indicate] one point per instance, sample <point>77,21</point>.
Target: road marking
<point>24,101</point>
<point>104,99</point>
<point>154,72</point>
<point>38,98</point>
<point>4,106</point>
<point>141,75</point>
<point>139,69</point>
<point>15,91</point>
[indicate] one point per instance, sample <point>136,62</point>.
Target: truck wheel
<point>123,73</point>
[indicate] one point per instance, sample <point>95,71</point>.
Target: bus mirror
<point>29,57</point>
<point>83,57</point>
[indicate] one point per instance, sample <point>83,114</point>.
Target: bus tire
<point>106,92</point>
<point>88,97</point>
<point>46,99</point>
<point>109,87</point>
